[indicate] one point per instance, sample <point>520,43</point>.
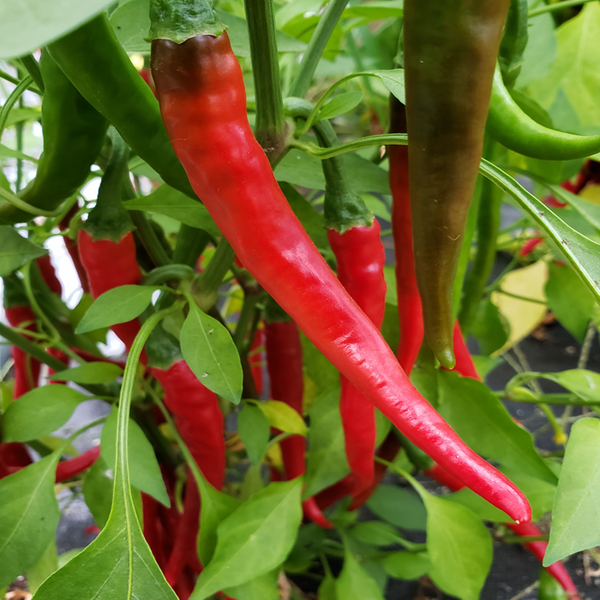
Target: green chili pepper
<point>510,126</point>
<point>92,58</point>
<point>450,49</point>
<point>73,136</point>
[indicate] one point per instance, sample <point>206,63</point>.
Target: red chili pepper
<point>256,358</point>
<point>76,465</point>
<point>529,246</point>
<point>73,249</point>
<point>13,457</point>
<point>109,265</point>
<point>153,529</point>
<point>464,361</point>
<point>27,368</point>
<point>198,419</point>
<point>49,274</point>
<point>410,313</point>
<point>284,362</point>
<point>185,542</point>
<point>203,102</point>
<point>360,260</point>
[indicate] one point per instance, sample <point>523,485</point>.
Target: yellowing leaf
<point>523,315</point>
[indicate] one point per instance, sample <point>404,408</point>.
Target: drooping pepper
<point>203,102</point>
<point>73,136</point>
<point>106,244</point>
<point>410,313</point>
<point>73,249</point>
<point>354,237</point>
<point>284,363</point>
<point>450,49</point>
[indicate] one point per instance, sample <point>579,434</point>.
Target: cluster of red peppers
<point>200,88</point>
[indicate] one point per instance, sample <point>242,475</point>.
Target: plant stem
<point>270,128</point>
<point>316,46</point>
<point>555,6</point>
<point>11,100</point>
<point>147,236</point>
<point>206,287</point>
<point>190,245</point>
<point>33,68</point>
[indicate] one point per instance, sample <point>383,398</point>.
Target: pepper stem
<point>271,128</point>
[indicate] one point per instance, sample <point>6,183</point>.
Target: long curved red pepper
<point>284,363</point>
<point>203,103</point>
<point>360,260</point>
<point>410,313</point>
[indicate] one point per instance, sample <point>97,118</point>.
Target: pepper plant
<point>226,180</point>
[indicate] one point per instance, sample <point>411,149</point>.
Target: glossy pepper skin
<point>450,49</point>
<point>360,260</point>
<point>509,125</point>
<point>203,103</point>
<point>73,136</point>
<point>410,313</point>
<point>284,363</point>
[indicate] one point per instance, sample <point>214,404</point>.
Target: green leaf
<point>459,547</point>
<point>98,491</point>
<point>319,374</point>
<point>25,27</point>
<point>581,252</point>
<point>263,587</point>
<point>376,533</point>
<point>340,104</point>
<point>576,513</point>
<point>29,516</point>
<point>15,250</point>
<point>6,152</point>
<point>326,462</point>
<point>94,372</point>
<point>282,416</point>
<point>118,305</point>
<point>540,494</point>
<point>375,10</point>
<point>354,583</point>
<point>254,539</point>
<point>254,430</point>
<point>210,352</point>
<point>146,475</point>
<point>216,507</point>
<point>407,565</point>
<point>298,168</point>
<point>393,81</point>
<point>399,506</point>
<point>481,420</point>
<point>550,589</point>
<point>585,384</point>
<point>43,568</point>
<point>327,589</point>
<point>569,299</point>
<point>39,412</point>
<point>490,329</point>
<point>482,508</point>
<point>172,203</point>
<point>131,22</point>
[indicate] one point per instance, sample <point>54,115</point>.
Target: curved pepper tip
<point>446,358</point>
